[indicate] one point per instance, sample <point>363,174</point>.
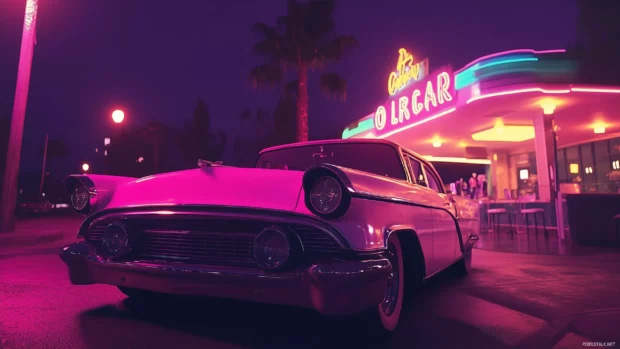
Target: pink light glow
<point>599,90</point>
<point>507,53</point>
<point>512,92</point>
<point>436,116</point>
<point>31,14</point>
<point>118,116</point>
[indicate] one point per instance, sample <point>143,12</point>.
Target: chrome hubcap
<point>391,292</point>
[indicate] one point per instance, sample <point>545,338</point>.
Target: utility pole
<point>9,188</point>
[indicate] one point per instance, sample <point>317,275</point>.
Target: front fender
<point>101,188</point>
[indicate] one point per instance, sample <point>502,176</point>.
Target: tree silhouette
<point>302,39</point>
<point>196,139</point>
<point>155,135</point>
<point>255,134</point>
<point>597,47</point>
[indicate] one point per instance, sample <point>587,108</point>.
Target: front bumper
<point>334,288</point>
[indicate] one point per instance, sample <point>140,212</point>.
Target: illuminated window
<point>524,174</point>
<point>616,165</point>
<point>573,168</point>
<point>588,169</point>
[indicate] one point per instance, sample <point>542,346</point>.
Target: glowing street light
<point>9,189</point>
<point>85,167</point>
<point>118,116</point>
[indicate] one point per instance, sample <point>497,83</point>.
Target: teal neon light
<point>468,76</point>
<point>362,126</point>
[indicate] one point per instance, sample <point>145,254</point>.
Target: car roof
<point>343,141</point>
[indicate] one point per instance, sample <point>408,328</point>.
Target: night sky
<point>154,58</point>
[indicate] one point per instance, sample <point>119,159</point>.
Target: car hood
<point>221,186</point>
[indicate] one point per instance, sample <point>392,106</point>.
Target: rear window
<point>380,159</point>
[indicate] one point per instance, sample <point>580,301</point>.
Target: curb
<point>23,239</point>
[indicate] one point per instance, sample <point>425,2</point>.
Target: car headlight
<point>80,196</point>
<point>272,248</point>
<point>115,240</point>
<point>326,195</point>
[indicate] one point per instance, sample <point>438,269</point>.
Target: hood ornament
<point>205,163</point>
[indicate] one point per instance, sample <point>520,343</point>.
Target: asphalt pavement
<point>509,300</point>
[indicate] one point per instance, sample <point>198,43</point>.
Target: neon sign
<point>433,95</point>
<point>406,72</point>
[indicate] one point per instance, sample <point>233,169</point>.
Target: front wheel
<point>385,317</point>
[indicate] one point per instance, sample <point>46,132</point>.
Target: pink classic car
<point>342,226</point>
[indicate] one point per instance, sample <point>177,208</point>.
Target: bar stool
<point>534,211</point>
<point>495,214</point>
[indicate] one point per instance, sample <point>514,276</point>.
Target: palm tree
<point>303,39</point>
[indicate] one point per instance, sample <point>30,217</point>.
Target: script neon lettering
<point>443,83</point>
<point>405,72</point>
<point>429,96</point>
<point>403,111</point>
<point>380,116</point>
<point>416,106</point>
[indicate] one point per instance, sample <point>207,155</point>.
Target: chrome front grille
<point>208,241</point>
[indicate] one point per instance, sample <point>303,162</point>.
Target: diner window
<point>603,167</point>
<point>433,183</point>
<point>574,165</point>
<point>587,164</point>
<point>415,166</point>
<point>520,165</point>
<point>614,157</point>
<point>562,167</point>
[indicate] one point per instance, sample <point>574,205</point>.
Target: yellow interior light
<point>507,133</point>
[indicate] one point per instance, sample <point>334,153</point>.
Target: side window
<point>433,182</point>
<point>417,176</point>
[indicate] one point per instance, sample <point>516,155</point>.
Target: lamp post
<point>118,116</point>
<point>9,188</point>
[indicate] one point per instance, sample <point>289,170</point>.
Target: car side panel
<point>445,238</point>
<point>367,222</point>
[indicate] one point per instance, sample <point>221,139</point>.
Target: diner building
<point>521,116</point>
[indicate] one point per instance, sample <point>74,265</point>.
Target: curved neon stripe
<point>513,92</point>
<point>507,53</point>
<point>599,90</point>
<point>438,115</point>
<point>362,126</point>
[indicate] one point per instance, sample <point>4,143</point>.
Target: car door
<point>445,238</point>
<point>421,216</point>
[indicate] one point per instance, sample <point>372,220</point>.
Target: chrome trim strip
<point>270,216</point>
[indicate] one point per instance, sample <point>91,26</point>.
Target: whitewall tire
<point>389,311</point>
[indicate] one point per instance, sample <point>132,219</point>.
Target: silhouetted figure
<point>473,186</point>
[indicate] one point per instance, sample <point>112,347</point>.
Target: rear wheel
<point>136,293</point>
<point>463,267</point>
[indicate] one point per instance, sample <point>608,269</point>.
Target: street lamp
<point>85,167</point>
<point>118,116</point>
<point>9,189</point>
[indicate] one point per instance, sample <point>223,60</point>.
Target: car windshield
<point>380,159</point>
